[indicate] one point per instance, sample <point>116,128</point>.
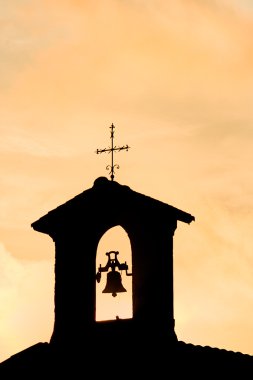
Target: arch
<point>108,307</point>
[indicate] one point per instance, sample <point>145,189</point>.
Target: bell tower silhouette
<point>77,227</point>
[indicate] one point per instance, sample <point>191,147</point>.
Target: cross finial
<point>112,150</point>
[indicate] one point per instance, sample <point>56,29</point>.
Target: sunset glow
<point>176,79</point>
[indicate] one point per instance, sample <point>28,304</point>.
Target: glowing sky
<point>176,79</point>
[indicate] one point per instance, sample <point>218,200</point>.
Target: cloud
<point>151,59</point>
<point>26,303</point>
<point>245,6</point>
<point>21,141</point>
<point>213,282</point>
<point>23,34</point>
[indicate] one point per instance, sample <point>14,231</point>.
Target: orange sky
<point>176,79</point>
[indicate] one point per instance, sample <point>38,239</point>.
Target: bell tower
<point>76,227</point>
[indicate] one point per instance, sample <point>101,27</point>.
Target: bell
<point>113,284</point>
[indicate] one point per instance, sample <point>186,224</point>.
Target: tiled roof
<point>181,359</point>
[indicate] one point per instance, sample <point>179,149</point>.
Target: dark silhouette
<point>113,284</point>
<point>143,345</point>
<point>112,150</point>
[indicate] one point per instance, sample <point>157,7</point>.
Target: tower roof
<point>106,197</point>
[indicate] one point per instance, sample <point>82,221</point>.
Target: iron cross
<point>112,150</point>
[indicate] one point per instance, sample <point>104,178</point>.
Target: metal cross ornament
<point>112,150</point>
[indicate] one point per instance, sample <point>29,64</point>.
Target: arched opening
<point>120,306</point>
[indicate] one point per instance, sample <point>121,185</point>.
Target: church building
<point>143,345</point>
